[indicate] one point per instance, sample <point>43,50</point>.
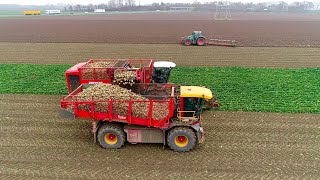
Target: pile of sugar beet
<point>101,74</point>
<point>101,94</point>
<point>121,77</point>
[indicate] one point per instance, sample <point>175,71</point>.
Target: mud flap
<point>95,127</point>
<point>200,132</point>
<point>201,140</point>
<point>66,114</point>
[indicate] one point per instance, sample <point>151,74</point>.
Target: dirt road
<point>71,53</point>
<point>36,143</point>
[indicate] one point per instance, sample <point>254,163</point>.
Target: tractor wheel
<point>201,41</point>
<point>187,42</point>
<point>181,139</point>
<point>111,136</point>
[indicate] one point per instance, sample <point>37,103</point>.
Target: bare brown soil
<point>169,16</point>
<point>250,29</point>
<point>71,53</point>
<point>37,144</point>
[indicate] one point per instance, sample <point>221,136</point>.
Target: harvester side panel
<point>97,74</point>
<point>89,109</point>
<point>106,74</point>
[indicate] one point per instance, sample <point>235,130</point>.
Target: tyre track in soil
<point>36,143</point>
<point>71,53</point>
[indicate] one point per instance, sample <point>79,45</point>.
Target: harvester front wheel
<point>187,42</point>
<point>181,139</point>
<point>201,41</point>
<point>111,136</point>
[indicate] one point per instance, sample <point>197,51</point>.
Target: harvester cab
<point>196,38</point>
<point>162,71</point>
<point>192,100</point>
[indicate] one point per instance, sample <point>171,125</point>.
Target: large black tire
<point>176,143</point>
<point>111,136</point>
<point>187,42</point>
<point>201,41</point>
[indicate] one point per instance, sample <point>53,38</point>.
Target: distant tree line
<point>132,5</point>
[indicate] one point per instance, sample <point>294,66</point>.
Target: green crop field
<point>7,14</point>
<point>11,12</point>
<point>32,79</point>
<point>238,89</point>
<point>257,89</point>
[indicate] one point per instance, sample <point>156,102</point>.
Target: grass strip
<point>33,79</point>
<point>257,89</point>
<point>238,89</point>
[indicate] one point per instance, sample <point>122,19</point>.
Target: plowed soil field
<point>250,29</point>
<point>72,53</point>
<point>37,144</point>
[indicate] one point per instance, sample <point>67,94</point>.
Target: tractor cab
<point>162,71</point>
<point>197,34</point>
<point>192,99</point>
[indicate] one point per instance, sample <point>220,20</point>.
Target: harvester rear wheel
<point>187,42</point>
<point>111,136</point>
<point>201,41</point>
<point>181,139</point>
